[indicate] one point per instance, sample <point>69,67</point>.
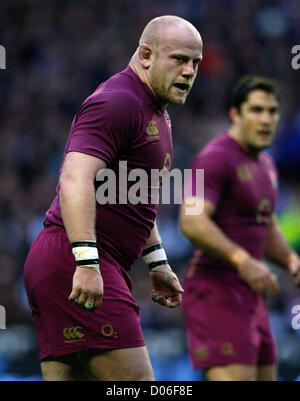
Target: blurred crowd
<point>57,53</point>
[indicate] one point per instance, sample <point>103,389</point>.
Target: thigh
<point>267,373</point>
<point>125,364</point>
<point>64,368</point>
<point>234,372</point>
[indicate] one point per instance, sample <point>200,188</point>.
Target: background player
<point>226,282</point>
<point>111,125</point>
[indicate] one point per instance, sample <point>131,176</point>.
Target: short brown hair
<point>251,83</point>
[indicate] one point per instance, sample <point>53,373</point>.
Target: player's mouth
<point>265,133</point>
<point>182,88</point>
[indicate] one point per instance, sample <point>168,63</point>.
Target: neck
<point>139,71</point>
<point>235,134</point>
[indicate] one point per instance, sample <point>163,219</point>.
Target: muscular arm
<point>77,195</point>
<point>78,208</point>
<point>206,235</point>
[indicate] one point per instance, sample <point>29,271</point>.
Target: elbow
<point>67,182</point>
<point>63,183</point>
<point>66,179</point>
<point>192,227</point>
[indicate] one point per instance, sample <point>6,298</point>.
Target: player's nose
<point>266,118</point>
<point>189,69</point>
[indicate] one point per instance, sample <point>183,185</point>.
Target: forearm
<point>78,208</point>
<point>154,237</point>
<point>277,249</point>
<point>206,235</point>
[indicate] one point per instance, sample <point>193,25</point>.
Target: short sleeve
<point>104,125</point>
<point>212,169</point>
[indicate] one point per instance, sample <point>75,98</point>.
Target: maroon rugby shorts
<point>226,322</point>
<point>63,328</point>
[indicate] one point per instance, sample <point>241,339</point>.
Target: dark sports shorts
<point>227,323</point>
<point>63,328</point>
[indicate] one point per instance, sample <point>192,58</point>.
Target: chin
<point>266,144</point>
<point>177,101</point>
<point>261,147</point>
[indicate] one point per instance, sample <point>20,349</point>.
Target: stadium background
<point>57,53</point>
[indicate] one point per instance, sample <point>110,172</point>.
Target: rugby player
<point>227,282</point>
<point>76,272</point>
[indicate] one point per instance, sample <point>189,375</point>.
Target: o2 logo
<point>296,319</point>
<point>296,58</point>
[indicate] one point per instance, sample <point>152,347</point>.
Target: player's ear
<point>234,115</point>
<point>145,53</point>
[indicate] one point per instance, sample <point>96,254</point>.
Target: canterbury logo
<point>152,131</point>
<point>151,128</point>
<point>244,173</point>
<point>73,333</point>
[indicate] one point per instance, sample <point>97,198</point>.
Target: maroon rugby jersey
<point>244,191</point>
<point>121,121</point>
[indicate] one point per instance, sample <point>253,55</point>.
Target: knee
<point>148,377</point>
<point>231,373</point>
<point>126,376</point>
<point>141,375</point>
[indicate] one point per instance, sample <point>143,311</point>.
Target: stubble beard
<point>159,90</point>
<point>262,146</point>
<point>162,91</point>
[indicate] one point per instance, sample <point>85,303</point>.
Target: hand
<point>87,291</point>
<point>166,289</point>
<point>258,277</point>
<point>294,268</point>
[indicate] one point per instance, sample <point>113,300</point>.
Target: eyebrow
<point>185,57</point>
<point>259,107</point>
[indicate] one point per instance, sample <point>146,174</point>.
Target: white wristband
<point>85,252</point>
<point>86,255</point>
<point>154,255</point>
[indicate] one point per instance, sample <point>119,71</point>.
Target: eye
<point>180,59</point>
<point>256,109</point>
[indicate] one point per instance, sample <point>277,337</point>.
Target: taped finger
<point>169,301</point>
<point>89,305</point>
